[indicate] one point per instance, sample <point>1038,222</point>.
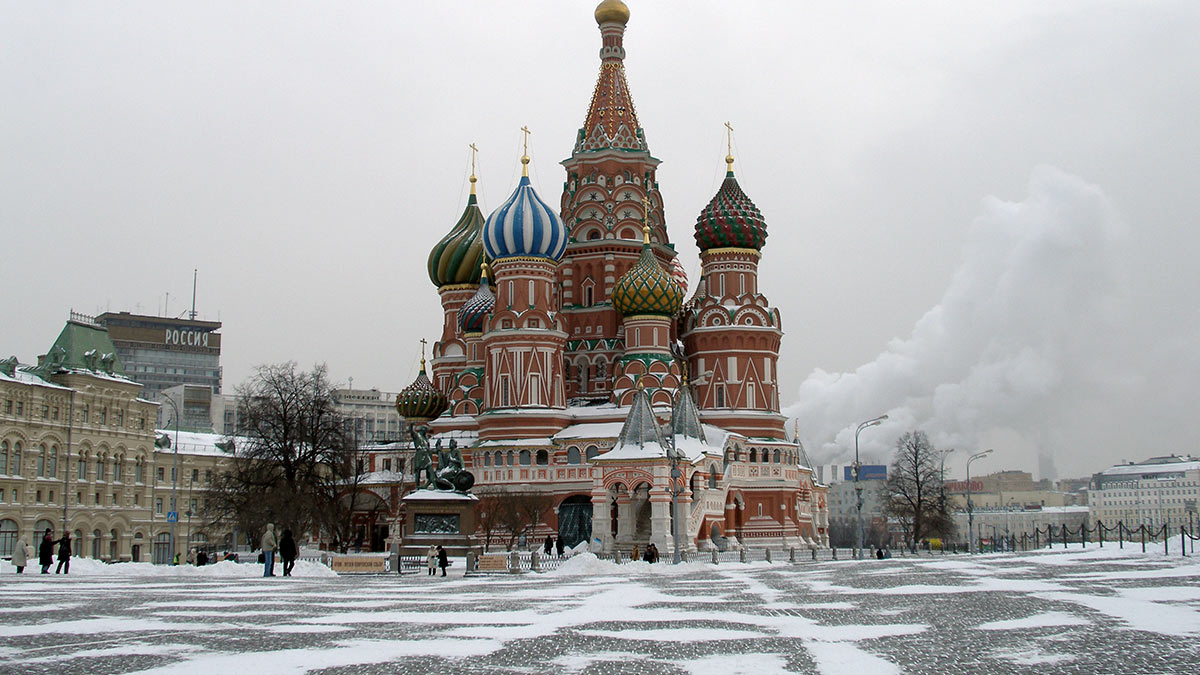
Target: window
<point>572,455</point>
<point>20,408</point>
<point>82,466</point>
<point>499,458</point>
<point>39,497</point>
<point>104,416</point>
<point>195,475</point>
<point>141,471</point>
<point>53,472</point>
<point>96,499</point>
<point>591,452</point>
<point>137,499</point>
<point>3,458</point>
<point>525,458</point>
<point>158,505</point>
<point>543,458</point>
<point>387,465</point>
<point>41,462</point>
<point>16,460</point>
<point>208,476</point>
<point>99,469</point>
<point>160,473</point>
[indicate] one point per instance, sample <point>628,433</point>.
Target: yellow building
<point>78,454</point>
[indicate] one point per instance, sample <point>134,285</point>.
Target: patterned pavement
<point>1093,612</point>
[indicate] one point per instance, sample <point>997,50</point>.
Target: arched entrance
<point>575,520</point>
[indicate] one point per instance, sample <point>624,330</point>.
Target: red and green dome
<point>456,258</point>
<point>421,400</point>
<point>730,220</point>
<point>647,288</point>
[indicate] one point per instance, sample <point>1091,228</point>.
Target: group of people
<point>436,557</point>
<point>553,544</point>
<point>650,554</point>
<point>285,545</point>
<point>22,552</point>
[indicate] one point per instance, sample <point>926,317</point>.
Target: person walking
<point>558,546</point>
<point>64,554</point>
<point>20,555</point>
<point>443,559</point>
<point>547,545</point>
<point>268,545</point>
<point>191,556</point>
<point>636,554</point>
<point>431,559</point>
<point>46,552</point>
<point>288,551</point>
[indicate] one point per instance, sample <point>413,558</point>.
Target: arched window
<point>525,458</point>
<point>572,455</point>
<point>510,458</point>
<point>499,458</point>
<point>95,544</point>
<point>100,468</point>
<point>112,544</point>
<point>41,461</point>
<point>591,452</point>
<point>712,476</point>
<point>8,535</point>
<point>543,458</point>
<point>776,456</point>
<point>3,457</point>
<point>753,455</point>
<point>141,471</point>
<point>487,459</point>
<point>15,469</point>
<point>52,462</point>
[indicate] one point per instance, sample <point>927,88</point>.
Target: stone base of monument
<point>439,517</point>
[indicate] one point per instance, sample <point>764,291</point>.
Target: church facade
<point>572,364</point>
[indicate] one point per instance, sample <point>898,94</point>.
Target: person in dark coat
<point>443,559</point>
<point>64,554</point>
<point>547,545</point>
<point>288,551</point>
<point>201,558</point>
<point>558,546</point>
<point>46,552</point>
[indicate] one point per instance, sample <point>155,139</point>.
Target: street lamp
<point>173,514</point>
<point>970,506</point>
<point>858,530</point>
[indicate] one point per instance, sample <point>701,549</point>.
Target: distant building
<point>196,408</point>
<point>843,507</point>
<point>373,413</point>
<point>997,524</point>
<point>162,352</point>
<point>1154,492</point>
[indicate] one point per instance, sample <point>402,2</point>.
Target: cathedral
<point>572,362</point>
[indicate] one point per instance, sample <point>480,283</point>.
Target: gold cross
<point>728,139</point>
<point>474,150</point>
<point>423,349</point>
<point>525,143</point>
<point>646,207</point>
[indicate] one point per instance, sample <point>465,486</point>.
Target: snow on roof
<point>1139,469</point>
<point>22,376</point>
<point>438,495</point>
<point>381,478</point>
<point>591,430</point>
<point>197,443</point>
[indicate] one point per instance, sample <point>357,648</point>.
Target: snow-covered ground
<point>1094,610</point>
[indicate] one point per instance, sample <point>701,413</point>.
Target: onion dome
<point>647,288</point>
<point>611,11</point>
<point>474,310</point>
<point>679,274</point>
<point>730,220</point>
<point>524,225</point>
<point>456,258</point>
<point>420,400</point>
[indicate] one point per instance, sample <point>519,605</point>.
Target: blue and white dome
<point>524,225</point>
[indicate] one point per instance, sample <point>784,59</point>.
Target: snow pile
<point>589,564</point>
<point>89,567</point>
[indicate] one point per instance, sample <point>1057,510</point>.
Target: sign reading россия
<point>186,338</point>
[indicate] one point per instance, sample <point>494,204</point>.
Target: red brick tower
<point>610,176</point>
<point>731,334</point>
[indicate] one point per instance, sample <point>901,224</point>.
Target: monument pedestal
<point>439,517</point>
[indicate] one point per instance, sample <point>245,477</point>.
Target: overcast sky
<point>981,216</point>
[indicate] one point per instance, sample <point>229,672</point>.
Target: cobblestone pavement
<point>1085,612</point>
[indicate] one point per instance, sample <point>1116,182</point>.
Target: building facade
<point>1155,492</point>
<point>162,352</point>
<point>571,364</point>
<point>78,454</point>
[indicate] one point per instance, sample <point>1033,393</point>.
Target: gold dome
<point>612,10</point>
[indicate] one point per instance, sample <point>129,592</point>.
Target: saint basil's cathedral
<point>571,364</point>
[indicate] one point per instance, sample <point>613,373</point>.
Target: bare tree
<point>911,494</point>
<point>292,453</point>
<point>505,514</point>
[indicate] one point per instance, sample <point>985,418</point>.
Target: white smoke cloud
<point>1026,328</point>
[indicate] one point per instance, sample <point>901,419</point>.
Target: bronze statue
<point>422,458</point>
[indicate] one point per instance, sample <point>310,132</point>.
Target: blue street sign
<point>172,516</point>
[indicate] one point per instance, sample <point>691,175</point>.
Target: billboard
<point>867,472</point>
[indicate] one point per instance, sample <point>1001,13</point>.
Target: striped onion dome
<point>730,219</point>
<point>679,274</point>
<point>474,310</point>
<point>420,400</point>
<point>647,288</point>
<point>456,258</point>
<point>524,225</point>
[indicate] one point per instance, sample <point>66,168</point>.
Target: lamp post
<point>858,500</point>
<point>173,514</point>
<point>970,506</point>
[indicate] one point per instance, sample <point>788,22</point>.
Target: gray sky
<point>981,215</point>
